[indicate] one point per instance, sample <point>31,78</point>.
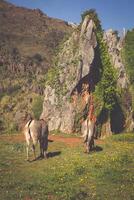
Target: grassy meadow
<point>68,174</point>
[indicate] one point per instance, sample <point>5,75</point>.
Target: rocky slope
<point>74,68</point>
<point>28,42</point>
<point>76,74</point>
<point>30,35</point>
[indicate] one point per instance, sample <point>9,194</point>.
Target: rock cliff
<point>75,63</point>
<point>115,46</point>
<point>77,72</point>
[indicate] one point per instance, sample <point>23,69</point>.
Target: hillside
<point>28,42</point>
<point>28,32</point>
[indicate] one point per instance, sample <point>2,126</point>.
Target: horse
<point>88,134</point>
<point>36,131</point>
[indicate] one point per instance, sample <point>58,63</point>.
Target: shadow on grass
<point>53,154</point>
<point>97,148</point>
<point>50,140</point>
<point>49,155</point>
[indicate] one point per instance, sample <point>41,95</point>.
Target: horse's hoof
<point>46,157</point>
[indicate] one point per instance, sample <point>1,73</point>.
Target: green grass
<point>70,174</point>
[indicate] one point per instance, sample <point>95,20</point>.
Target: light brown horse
<point>88,134</point>
<point>36,131</point>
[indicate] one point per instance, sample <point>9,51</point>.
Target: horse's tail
<point>28,123</point>
<point>27,130</point>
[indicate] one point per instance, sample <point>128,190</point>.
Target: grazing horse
<point>89,127</point>
<point>88,134</point>
<point>36,131</point>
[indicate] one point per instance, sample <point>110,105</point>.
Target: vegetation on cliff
<point>106,89</point>
<point>128,57</point>
<point>128,54</point>
<point>91,13</point>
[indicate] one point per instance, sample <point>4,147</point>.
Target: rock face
<point>114,48</point>
<point>87,45</point>
<point>74,67</point>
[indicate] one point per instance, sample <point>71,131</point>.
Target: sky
<point>115,14</point>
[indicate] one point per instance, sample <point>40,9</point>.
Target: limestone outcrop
<point>114,48</point>
<point>74,66</point>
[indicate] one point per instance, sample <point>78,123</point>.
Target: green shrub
<point>92,15</point>
<point>128,55</point>
<point>5,101</point>
<point>37,107</point>
<point>107,87</point>
<point>10,127</point>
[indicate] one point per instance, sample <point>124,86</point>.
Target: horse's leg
<point>92,142</point>
<point>45,153</point>
<point>27,150</point>
<point>87,147</point>
<point>27,147</point>
<point>33,148</point>
<point>45,146</point>
<point>89,143</point>
<point>41,150</point>
<point>90,139</point>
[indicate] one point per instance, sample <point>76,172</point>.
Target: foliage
<point>15,54</point>
<point>37,58</point>
<point>37,106</point>
<point>68,174</point>
<point>12,128</point>
<point>106,89</point>
<point>5,102</point>
<point>128,55</point>
<point>92,15</point>
<point>52,77</point>
<point>8,126</point>
<point>105,92</point>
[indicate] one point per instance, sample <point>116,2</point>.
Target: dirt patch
<point>71,141</point>
<point>13,138</point>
